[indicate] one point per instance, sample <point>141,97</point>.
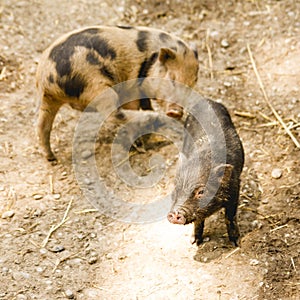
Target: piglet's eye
<point>199,192</point>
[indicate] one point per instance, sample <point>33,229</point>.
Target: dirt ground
<point>91,255</point>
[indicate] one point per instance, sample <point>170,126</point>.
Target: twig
<point>273,123</point>
<point>126,158</point>
<point>279,227</point>
<point>88,210</point>
<point>244,114</point>
<point>59,261</point>
<point>51,184</point>
<point>268,101</point>
<point>101,288</point>
<point>209,55</point>
<point>293,264</point>
<point>289,186</point>
<point>12,196</point>
<point>265,116</point>
<point>295,126</point>
<point>2,74</point>
<point>34,243</point>
<point>54,228</point>
<point>232,252</point>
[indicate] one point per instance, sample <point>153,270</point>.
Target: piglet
<point>210,165</point>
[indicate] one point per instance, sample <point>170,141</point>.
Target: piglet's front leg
<point>197,237</point>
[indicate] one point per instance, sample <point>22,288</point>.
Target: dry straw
<point>288,131</point>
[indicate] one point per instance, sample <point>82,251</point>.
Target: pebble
<point>20,276</point>
<point>21,297</point>
<point>256,224</point>
<point>93,235</point>
<point>92,260</point>
<point>87,181</point>
<point>224,43</point>
<point>37,213</point>
<point>227,84</point>
<point>37,197</point>
<point>56,196</point>
<point>39,269</point>
<point>109,256</point>
<point>86,154</point>
<point>58,248</point>
<point>276,173</point>
<point>43,251</point>
<point>69,294</point>
<point>8,214</point>
<point>91,294</point>
<point>254,262</point>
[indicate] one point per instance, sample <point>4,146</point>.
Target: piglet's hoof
<point>51,157</point>
<point>196,240</point>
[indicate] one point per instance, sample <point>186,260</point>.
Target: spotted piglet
<point>81,64</point>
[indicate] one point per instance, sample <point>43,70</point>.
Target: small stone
<point>37,196</point>
<point>256,224</point>
<point>8,214</point>
<point>75,262</point>
<point>58,248</point>
<point>19,276</point>
<point>13,85</point>
<point>21,297</point>
<point>109,256</point>
<point>86,154</point>
<point>227,84</point>
<point>254,262</point>
<point>265,201</point>
<point>81,236</point>
<point>87,181</point>
<point>37,213</point>
<point>56,196</point>
<point>43,251</point>
<point>39,269</point>
<point>92,260</point>
<point>69,294</point>
<point>276,173</point>
<point>224,43</point>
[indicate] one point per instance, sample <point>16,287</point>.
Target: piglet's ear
<point>166,54</point>
<point>193,46</point>
<point>223,172</point>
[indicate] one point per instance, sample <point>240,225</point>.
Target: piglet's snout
<point>176,218</point>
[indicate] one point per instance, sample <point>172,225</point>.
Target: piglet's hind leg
<point>231,223</point>
<point>47,113</point>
